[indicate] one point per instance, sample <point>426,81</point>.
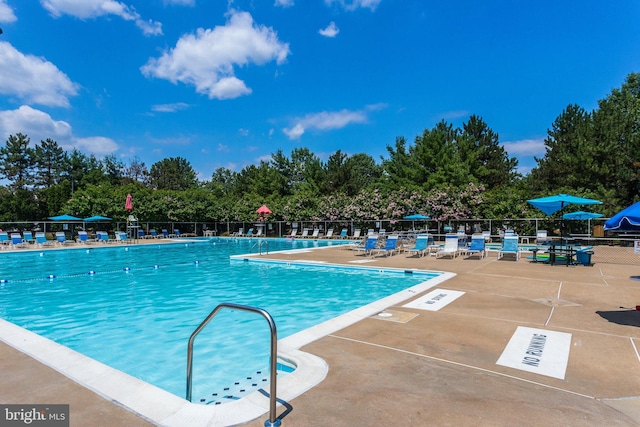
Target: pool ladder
<point>260,244</point>
<point>273,420</point>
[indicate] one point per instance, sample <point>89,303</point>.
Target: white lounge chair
<point>450,246</point>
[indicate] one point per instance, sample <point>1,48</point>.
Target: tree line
<point>446,172</point>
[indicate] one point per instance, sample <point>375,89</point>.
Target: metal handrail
<point>273,421</point>
<point>259,245</point>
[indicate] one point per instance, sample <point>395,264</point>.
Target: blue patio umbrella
<point>64,217</point>
<point>552,204</point>
<point>626,220</point>
<point>96,218</point>
<point>582,215</point>
<point>416,217</point>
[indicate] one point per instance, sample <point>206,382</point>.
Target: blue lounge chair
<point>509,246</point>
<point>477,246</point>
<point>249,232</point>
<point>83,237</point>
<point>370,245</point>
<point>27,236</point>
<point>343,234</point>
<point>61,238</point>
<point>41,240</point>
<point>4,238</point>
<point>165,233</point>
<point>390,246</point>
<point>153,234</point>
<point>16,240</point>
<point>420,247</point>
<point>141,234</point>
<point>103,237</point>
<point>121,236</point>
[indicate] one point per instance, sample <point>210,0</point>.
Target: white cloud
<point>6,13</point>
<point>98,145</point>
<point>170,108</point>
<point>526,147</point>
<point>39,126</point>
<point>223,148</point>
<point>355,4</point>
<point>330,31</point>
<point>181,2</point>
<point>207,58</point>
<point>85,9</point>
<point>324,121</point>
<point>33,79</point>
<point>284,3</point>
<point>243,132</point>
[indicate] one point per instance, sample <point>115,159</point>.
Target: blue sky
<point>227,83</point>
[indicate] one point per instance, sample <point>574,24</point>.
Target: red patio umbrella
<point>263,210</point>
<point>128,205</point>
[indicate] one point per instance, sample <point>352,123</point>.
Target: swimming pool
<point>134,307</point>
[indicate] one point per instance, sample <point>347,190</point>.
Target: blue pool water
<point>134,307</point>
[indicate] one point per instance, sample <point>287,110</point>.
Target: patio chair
<point>343,234</point>
<point>486,234</point>
<point>509,246</point>
<point>249,233</point>
<point>369,246</point>
<point>420,247</point>
<point>390,246</point>
<point>477,246</point>
<point>356,233</point>
<point>16,241</point>
<point>165,233</point>
<point>27,236</point>
<point>61,238</point>
<point>541,237</point>
<point>238,233</point>
<point>294,232</point>
<point>450,246</point>
<point>259,232</point>
<point>120,237</point>
<point>315,234</point>
<point>329,234</point>
<point>83,238</point>
<point>41,240</point>
<point>305,233</point>
<point>4,239</point>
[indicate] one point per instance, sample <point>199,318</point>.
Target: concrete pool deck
<point>422,367</point>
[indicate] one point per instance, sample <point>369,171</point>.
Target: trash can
<point>584,257</point>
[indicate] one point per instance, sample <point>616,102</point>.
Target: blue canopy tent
<point>626,220</point>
